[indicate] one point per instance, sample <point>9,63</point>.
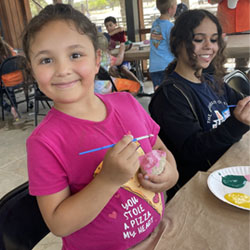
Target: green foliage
<point>101,4</point>
<point>97,4</point>
<point>35,6</point>
<point>113,3</point>
<point>90,4</point>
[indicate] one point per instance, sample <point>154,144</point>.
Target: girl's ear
<point>98,59</point>
<point>29,68</point>
<point>30,71</point>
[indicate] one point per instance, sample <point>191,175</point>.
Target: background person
<point>181,7</point>
<point>107,61</point>
<point>117,34</point>
<point>234,21</point>
<point>160,55</point>
<point>192,108</point>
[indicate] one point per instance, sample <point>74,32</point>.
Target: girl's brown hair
<point>58,12</point>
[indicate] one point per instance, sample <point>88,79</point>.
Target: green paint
<point>234,181</point>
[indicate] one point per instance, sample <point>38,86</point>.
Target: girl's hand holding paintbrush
<point>121,162</point>
<point>242,111</point>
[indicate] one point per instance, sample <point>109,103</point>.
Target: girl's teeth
<point>205,56</point>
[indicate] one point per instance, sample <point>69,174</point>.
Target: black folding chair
<point>40,97</point>
<point>104,75</point>
<point>238,81</point>
<point>10,65</point>
<point>21,223</point>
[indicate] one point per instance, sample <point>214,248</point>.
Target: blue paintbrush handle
<point>112,145</point>
<point>97,149</point>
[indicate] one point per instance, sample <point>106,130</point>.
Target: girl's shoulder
<point>173,79</point>
<point>55,123</point>
<point>117,97</point>
<point>123,101</point>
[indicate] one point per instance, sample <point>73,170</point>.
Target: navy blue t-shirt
<point>214,107</point>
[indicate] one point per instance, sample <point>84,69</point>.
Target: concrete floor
<point>13,164</point>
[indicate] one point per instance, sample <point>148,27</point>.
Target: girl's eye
<point>46,60</point>
<point>75,55</point>
<point>214,40</point>
<point>198,40</point>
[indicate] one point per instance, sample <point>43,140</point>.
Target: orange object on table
<point>123,84</point>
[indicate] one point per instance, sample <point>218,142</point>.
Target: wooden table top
<point>196,219</point>
<point>238,46</point>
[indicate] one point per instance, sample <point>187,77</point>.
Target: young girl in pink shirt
<point>98,200</point>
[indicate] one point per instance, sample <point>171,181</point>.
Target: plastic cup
<point>231,4</point>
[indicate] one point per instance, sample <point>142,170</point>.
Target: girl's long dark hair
<point>182,34</point>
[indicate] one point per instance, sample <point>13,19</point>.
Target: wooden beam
<point>15,15</point>
<point>27,10</point>
<point>141,19</point>
<point>142,31</point>
<point>132,17</point>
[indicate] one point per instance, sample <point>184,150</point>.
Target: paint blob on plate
<point>225,182</point>
<point>239,199</point>
<point>247,177</point>
<point>234,181</point>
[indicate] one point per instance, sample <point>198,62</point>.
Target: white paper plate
<point>216,186</point>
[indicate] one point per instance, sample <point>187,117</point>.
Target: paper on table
<point>196,219</point>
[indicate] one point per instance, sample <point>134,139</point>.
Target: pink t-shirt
<point>54,163</point>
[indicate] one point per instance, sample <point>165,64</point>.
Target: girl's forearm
<point>120,56</point>
<point>115,31</point>
<point>78,210</point>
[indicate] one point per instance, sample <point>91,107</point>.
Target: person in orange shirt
<point>234,19</point>
<point>10,79</point>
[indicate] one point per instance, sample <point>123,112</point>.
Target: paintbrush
<point>112,145</point>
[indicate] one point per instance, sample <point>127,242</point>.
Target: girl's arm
<point>115,31</point>
<point>119,58</point>
<point>181,129</point>
<point>167,179</point>
<point>65,213</point>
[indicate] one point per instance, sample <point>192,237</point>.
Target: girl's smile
<point>206,58</point>
<point>63,85</point>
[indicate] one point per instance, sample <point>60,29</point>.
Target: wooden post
<point>15,14</point>
<point>132,17</point>
<point>141,19</point>
<point>142,36</point>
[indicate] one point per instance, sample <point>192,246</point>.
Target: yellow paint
<point>239,199</point>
